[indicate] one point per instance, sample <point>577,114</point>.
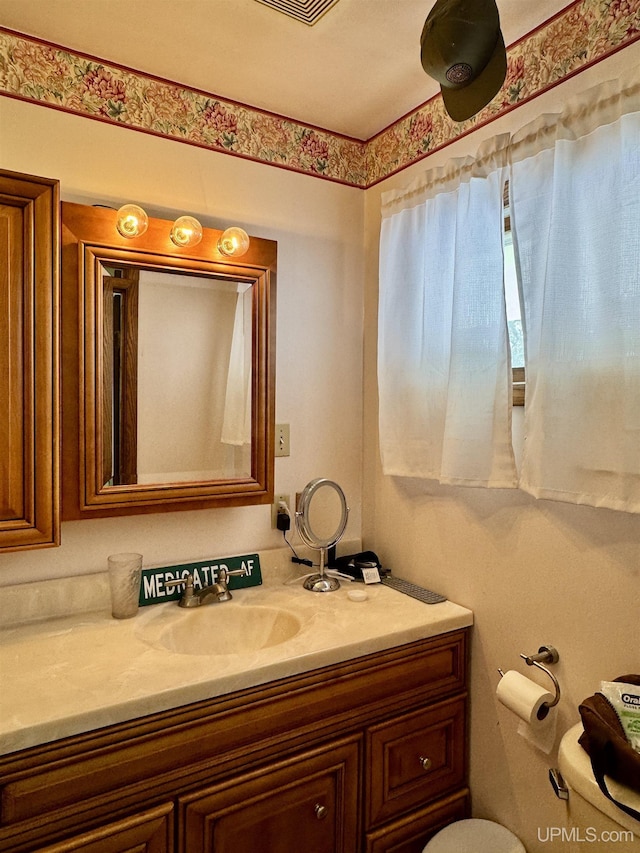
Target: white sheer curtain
<point>575,217</point>
<point>443,356</point>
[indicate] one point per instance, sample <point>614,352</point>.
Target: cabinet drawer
<point>307,803</point>
<point>410,833</point>
<point>148,832</point>
<point>415,758</point>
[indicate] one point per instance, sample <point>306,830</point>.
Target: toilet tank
<point>590,812</point>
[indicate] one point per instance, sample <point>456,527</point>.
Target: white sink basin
<point>223,629</point>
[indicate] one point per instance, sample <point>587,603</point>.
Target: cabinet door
<point>29,423</point>
<point>414,758</point>
<point>149,832</point>
<point>309,803</point>
<point>410,833</point>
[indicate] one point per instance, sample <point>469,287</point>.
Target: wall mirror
<point>168,369</point>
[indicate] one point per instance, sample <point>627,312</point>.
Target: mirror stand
<point>326,532</point>
<point>321,582</point>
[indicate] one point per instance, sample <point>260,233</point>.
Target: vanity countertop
<point>72,674</point>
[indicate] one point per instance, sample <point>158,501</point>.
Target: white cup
<point>125,571</point>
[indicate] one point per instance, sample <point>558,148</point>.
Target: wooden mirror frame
<point>90,238</point>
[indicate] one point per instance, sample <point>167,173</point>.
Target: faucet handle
<point>187,580</point>
<point>188,595</point>
<point>224,574</point>
<point>223,579</point>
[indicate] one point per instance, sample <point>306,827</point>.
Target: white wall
<point>318,226</point>
<point>532,571</point>
<point>182,378</point>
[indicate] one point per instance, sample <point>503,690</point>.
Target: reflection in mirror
<point>321,519</point>
<point>177,405</point>
<point>168,369</point>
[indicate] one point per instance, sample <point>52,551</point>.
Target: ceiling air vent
<point>307,11</point>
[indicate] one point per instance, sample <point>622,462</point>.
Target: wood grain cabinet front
<point>148,832</point>
<point>410,833</point>
<point>29,350</point>
<point>364,756</point>
<point>415,758</point>
<point>309,803</point>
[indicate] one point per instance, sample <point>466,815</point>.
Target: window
<point>444,355</point>
<point>512,298</point>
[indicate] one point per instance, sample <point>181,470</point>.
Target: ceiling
<point>355,71</point>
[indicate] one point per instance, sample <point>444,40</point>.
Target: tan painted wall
<point>318,226</point>
<point>532,571</point>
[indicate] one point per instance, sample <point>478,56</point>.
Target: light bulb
<point>131,221</point>
<point>234,242</point>
<point>186,231</point>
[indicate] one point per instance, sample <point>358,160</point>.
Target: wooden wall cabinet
<point>29,386</point>
<point>367,756</point>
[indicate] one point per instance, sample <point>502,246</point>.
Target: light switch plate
<point>282,440</point>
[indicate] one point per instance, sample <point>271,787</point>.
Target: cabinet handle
<point>425,763</point>
<point>321,811</point>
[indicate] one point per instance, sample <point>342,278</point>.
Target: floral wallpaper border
<point>582,34</point>
<point>32,70</point>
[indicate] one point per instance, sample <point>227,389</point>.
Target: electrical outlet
<point>276,505</point>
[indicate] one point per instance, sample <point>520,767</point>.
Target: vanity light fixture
<point>132,221</point>
<point>186,232</point>
<point>234,242</point>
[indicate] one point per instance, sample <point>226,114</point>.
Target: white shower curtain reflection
<point>236,426</point>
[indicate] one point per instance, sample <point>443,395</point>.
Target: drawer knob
<point>321,811</point>
<point>425,763</point>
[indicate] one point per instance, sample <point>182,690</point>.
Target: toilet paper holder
<point>546,654</point>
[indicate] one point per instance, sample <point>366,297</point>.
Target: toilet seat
<point>474,836</point>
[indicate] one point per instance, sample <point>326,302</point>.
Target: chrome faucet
<point>209,594</point>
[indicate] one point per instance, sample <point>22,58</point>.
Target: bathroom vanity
<point>347,736</point>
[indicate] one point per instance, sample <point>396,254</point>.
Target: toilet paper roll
<point>523,696</point>
<point>542,735</point>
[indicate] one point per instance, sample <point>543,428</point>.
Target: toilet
<point>474,836</point>
<point>590,815</point>
<point>587,805</point>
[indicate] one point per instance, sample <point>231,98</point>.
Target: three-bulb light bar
<point>186,232</point>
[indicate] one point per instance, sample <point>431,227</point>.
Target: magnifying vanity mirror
<point>168,369</point>
<point>321,519</point>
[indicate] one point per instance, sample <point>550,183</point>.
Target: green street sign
<point>205,573</point>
